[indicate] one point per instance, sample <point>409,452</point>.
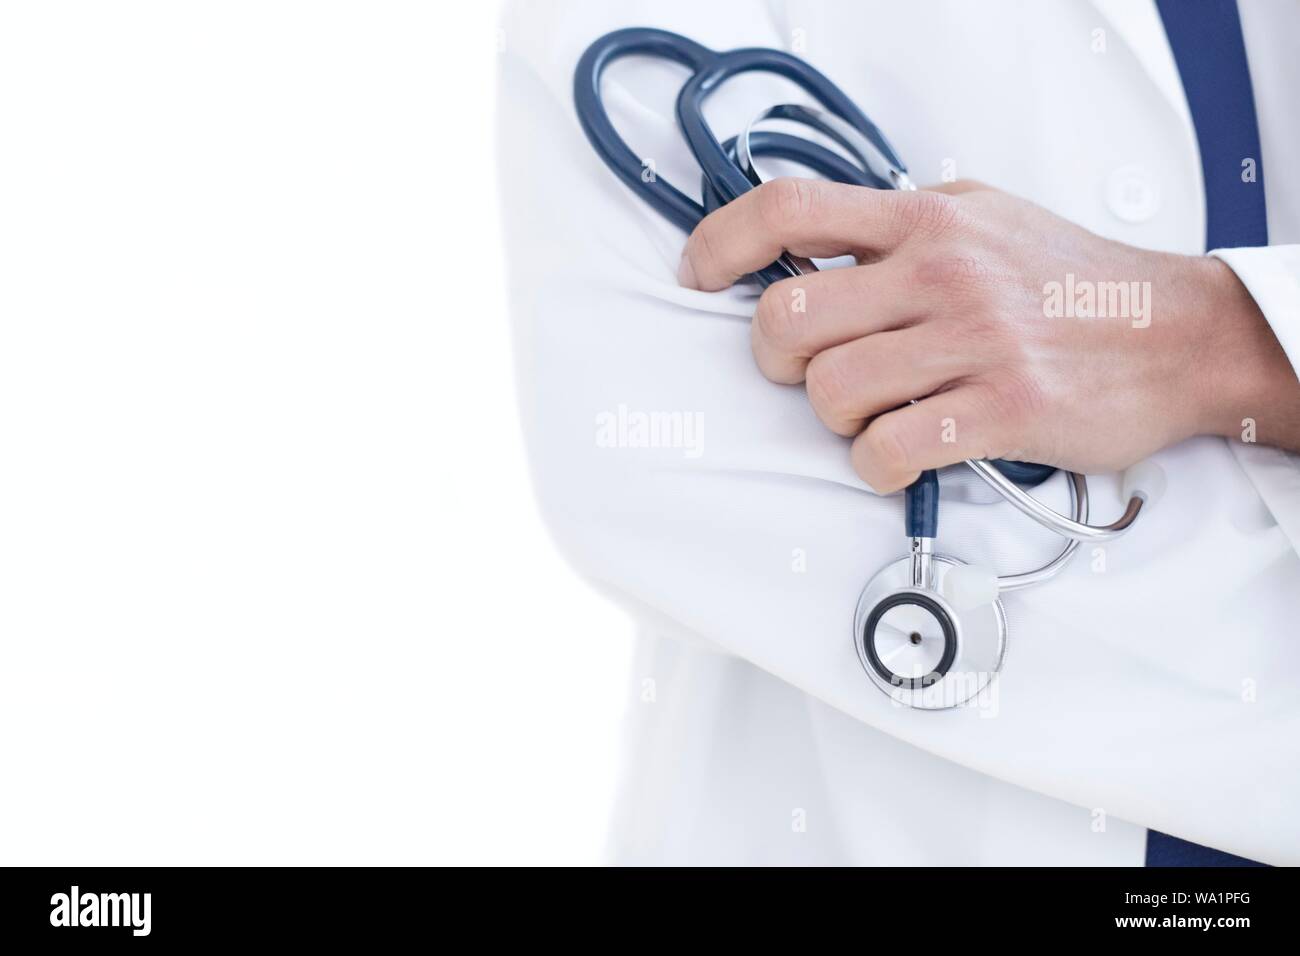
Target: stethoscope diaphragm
<point>920,649</point>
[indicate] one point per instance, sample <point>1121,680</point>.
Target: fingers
<point>800,317</point>
<point>804,217</point>
<point>860,337</point>
<point>851,383</point>
<point>941,430</point>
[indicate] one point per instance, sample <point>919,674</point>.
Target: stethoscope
<point>930,630</point>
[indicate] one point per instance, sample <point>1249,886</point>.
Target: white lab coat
<point>1153,685</point>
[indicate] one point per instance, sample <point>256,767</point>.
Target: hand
<point>950,303</point>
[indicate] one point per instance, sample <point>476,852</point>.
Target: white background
<point>272,585</point>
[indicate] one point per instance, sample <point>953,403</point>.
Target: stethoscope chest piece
<point>919,649</point>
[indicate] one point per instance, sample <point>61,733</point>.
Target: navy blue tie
<point>1205,36</point>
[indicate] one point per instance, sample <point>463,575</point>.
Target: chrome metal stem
<point>1030,506</point>
<point>1079,508</point>
<point>922,554</point>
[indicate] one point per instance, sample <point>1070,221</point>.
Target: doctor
<point>1149,702</point>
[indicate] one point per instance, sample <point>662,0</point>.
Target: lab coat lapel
<point>1137,22</point>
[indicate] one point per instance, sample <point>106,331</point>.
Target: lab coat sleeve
<point>1272,276</point>
<point>668,469</point>
<point>673,475</point>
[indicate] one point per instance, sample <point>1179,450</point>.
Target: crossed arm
<point>1000,317</point>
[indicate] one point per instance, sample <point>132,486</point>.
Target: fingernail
<point>686,273</point>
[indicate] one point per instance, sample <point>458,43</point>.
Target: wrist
<point>1240,376</point>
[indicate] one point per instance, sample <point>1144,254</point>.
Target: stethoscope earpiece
<point>1145,480</point>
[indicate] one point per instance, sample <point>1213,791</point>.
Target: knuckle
<point>930,213</point>
<point>785,201</point>
<point>700,249</point>
<point>828,388</point>
<point>775,320</point>
<point>885,449</point>
<point>1016,397</point>
<point>953,270</point>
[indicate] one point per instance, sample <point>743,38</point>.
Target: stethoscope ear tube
<point>1030,506</point>
<point>726,177</point>
<point>874,168</point>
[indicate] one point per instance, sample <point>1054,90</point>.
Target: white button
<point>1132,193</point>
